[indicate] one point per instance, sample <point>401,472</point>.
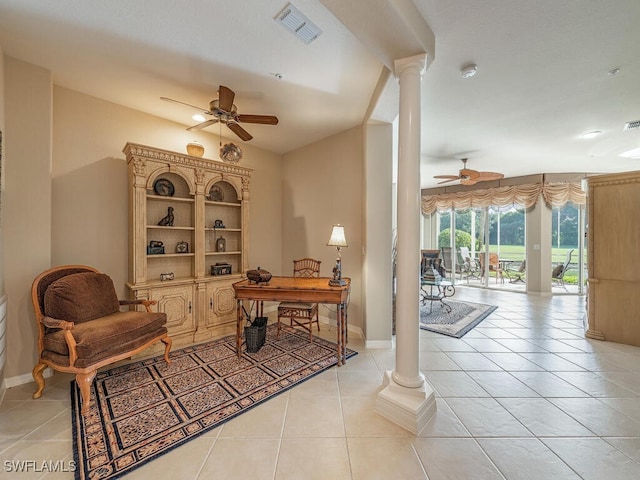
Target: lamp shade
<point>337,238</point>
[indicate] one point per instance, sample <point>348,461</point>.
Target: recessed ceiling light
<point>198,118</point>
<point>635,153</point>
<point>593,134</point>
<point>469,71</point>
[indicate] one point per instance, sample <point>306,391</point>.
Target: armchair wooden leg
<point>39,379</point>
<point>167,348</point>
<point>84,381</point>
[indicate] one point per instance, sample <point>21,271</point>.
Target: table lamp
<point>337,240</point>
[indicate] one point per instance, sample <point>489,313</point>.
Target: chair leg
<point>84,381</point>
<point>278,330</point>
<point>167,348</point>
<point>39,379</point>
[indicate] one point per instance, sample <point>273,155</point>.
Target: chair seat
<point>301,305</point>
<point>106,336</point>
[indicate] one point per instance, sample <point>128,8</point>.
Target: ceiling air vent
<point>293,20</point>
<point>632,125</point>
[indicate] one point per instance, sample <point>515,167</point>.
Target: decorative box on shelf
<point>221,269</point>
<point>155,250</point>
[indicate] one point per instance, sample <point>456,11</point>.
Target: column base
<point>411,408</point>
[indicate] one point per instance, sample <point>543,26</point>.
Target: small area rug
<point>462,318</point>
<point>142,410</point>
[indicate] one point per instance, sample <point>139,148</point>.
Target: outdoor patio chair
<point>469,266</point>
<point>494,265</point>
<point>514,273</point>
<point>557,275</point>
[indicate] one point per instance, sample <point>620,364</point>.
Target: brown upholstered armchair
<point>81,327</point>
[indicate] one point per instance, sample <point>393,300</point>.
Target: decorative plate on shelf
<point>163,187</point>
<point>216,194</point>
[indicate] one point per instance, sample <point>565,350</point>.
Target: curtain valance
<point>554,194</point>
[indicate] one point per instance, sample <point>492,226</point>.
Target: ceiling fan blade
<point>486,176</point>
<point>262,119</point>
<point>450,177</point>
<point>238,130</point>
<point>203,110</point>
<point>449,180</point>
<point>225,98</point>
<point>202,125</point>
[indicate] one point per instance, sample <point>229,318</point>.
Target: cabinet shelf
<point>162,227</point>
<point>223,253</point>
<point>222,204</point>
<point>222,230</point>
<point>169,199</point>
<point>171,255</point>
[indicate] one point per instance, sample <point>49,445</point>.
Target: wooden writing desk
<point>291,289</point>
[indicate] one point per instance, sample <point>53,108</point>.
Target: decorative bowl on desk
<point>259,275</point>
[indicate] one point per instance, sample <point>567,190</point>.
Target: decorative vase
<point>195,149</point>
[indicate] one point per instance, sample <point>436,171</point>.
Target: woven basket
<point>256,334</point>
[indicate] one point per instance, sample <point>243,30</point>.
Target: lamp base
<point>337,282</point>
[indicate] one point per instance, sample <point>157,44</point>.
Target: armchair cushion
<point>81,297</point>
<point>105,337</point>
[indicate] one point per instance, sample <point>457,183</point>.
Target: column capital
<point>418,62</point>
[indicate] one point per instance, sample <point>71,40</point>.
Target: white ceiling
<point>542,76</point>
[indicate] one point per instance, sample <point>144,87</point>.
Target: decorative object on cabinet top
<point>138,153</point>
<point>195,149</point>
<point>231,153</point>
<point>259,275</point>
<point>163,187</point>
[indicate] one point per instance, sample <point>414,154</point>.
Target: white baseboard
<point>24,378</point>
<point>379,344</point>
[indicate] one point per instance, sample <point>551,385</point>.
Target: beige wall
<point>322,184</point>
<point>377,272</point>
<point>26,210</point>
<point>85,195</point>
<point>3,318</point>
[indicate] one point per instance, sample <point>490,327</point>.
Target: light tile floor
<point>524,395</point>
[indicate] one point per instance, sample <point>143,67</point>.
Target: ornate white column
<point>407,399</point>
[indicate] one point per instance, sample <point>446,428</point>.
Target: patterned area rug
<point>147,408</point>
<point>462,318</point>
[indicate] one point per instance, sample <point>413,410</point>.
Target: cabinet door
<point>221,304</point>
<point>177,302</point>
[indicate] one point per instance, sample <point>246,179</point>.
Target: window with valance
<point>555,194</point>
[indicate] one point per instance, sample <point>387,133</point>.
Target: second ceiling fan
<point>224,111</point>
<point>468,176</point>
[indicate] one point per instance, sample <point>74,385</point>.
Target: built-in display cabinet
<point>613,239</point>
<point>188,219</point>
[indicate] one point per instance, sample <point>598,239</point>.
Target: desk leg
<point>239,330</point>
<point>342,333</point>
